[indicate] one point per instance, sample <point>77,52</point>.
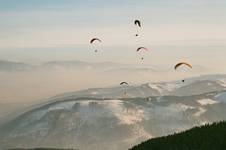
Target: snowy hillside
<point>85,119</point>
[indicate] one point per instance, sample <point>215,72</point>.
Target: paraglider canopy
<point>124,83</point>
<point>181,64</point>
<point>137,22</point>
<point>95,39</point>
<point>142,48</point>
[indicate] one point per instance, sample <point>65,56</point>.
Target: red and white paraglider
<point>142,49</point>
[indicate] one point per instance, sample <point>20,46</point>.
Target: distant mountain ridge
<point>109,67</point>
<point>200,85</point>
<point>105,66</point>
<point>14,66</point>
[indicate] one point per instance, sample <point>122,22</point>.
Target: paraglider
<point>92,41</point>
<point>137,23</point>
<point>139,49</point>
<point>182,64</point>
<point>124,84</point>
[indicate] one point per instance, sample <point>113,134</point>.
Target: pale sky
<point>35,31</point>
<point>173,30</point>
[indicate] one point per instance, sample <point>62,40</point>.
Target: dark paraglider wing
<point>95,39</point>
<point>142,48</point>
<point>182,63</point>
<point>137,22</point>
<point>124,83</point>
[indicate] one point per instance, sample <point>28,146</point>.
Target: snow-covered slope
<point>106,118</point>
<point>191,86</point>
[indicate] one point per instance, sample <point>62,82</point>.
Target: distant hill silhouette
<point>207,137</point>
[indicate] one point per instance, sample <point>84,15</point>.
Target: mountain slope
<point>85,123</point>
<point>84,119</point>
<point>207,137</point>
<point>192,86</point>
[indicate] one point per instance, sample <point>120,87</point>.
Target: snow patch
<point>126,116</point>
<point>206,102</point>
<point>94,93</point>
<point>222,82</point>
<point>64,105</point>
<point>200,112</point>
<point>156,87</point>
<point>166,88</point>
<point>221,97</point>
<point>183,107</point>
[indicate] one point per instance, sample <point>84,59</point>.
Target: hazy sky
<point>174,30</point>
<point>35,31</point>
